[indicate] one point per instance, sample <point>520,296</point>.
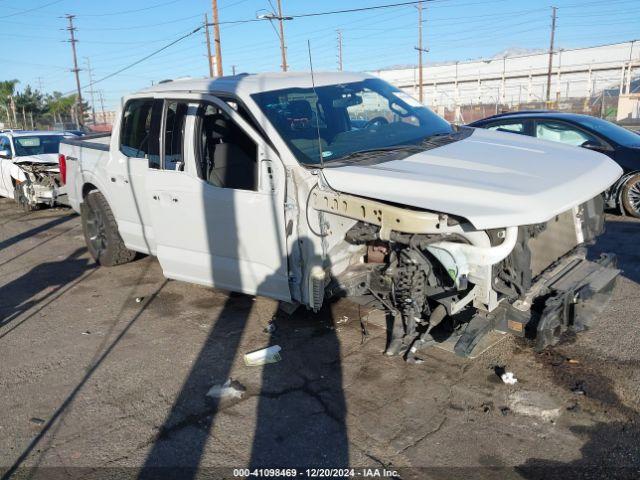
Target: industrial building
<point>585,79</point>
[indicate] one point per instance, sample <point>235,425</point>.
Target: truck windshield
<point>348,118</point>
<point>36,144</point>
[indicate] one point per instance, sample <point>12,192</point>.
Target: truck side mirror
<point>5,154</point>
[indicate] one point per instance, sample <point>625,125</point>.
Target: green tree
<point>7,89</point>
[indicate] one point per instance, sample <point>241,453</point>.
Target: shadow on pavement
<point>17,296</point>
<point>621,237</point>
<point>40,228</point>
<point>59,413</point>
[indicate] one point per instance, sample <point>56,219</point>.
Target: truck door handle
<point>155,197</point>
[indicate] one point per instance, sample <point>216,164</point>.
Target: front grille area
<point>557,239</point>
<point>564,232</point>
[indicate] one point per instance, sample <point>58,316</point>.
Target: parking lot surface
<point>109,369</point>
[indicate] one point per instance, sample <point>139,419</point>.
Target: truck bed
<point>84,156</point>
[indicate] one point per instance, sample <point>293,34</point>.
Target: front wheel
<point>631,196</point>
<point>101,232</point>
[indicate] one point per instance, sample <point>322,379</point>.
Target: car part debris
<point>509,378</point>
<point>139,299</point>
<point>262,357</point>
<point>229,389</point>
<point>37,421</point>
<point>534,404</point>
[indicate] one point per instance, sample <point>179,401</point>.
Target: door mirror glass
<point>5,154</point>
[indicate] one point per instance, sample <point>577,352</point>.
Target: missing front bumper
<point>569,301</point>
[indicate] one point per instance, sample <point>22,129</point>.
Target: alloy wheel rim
<point>634,196</point>
<point>96,230</point>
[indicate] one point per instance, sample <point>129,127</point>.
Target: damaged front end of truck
<point>36,184</point>
<point>439,278</point>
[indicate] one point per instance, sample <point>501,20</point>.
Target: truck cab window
<point>137,140</point>
<point>175,116</point>
<point>227,157</point>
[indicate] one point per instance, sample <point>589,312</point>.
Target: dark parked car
<point>620,144</point>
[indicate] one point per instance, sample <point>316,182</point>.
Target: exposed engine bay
<point>453,281</point>
<point>36,184</point>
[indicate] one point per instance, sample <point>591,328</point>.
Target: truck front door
<point>217,201</point>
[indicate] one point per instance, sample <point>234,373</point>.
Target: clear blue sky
<point>114,34</point>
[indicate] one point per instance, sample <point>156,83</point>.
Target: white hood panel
<point>41,158</point>
<point>493,179</point>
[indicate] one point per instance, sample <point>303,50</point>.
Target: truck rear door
<point>217,201</point>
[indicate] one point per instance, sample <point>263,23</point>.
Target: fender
<point>617,187</point>
<point>17,173</point>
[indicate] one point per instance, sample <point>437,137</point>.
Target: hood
<point>41,158</point>
<point>493,179</point>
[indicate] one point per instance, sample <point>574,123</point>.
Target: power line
<point>124,12</point>
<point>131,65</point>
<point>22,12</point>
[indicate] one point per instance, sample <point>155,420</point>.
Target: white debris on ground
<point>261,357</point>
<point>229,389</point>
<point>534,404</point>
<point>509,378</point>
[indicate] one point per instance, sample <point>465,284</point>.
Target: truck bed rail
<point>86,141</point>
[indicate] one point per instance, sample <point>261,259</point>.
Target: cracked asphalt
<point>105,371</point>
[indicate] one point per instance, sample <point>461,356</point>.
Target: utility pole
<point>206,33</point>
<point>283,48</point>
<point>233,69</point>
<point>216,38</point>
<point>13,110</point>
<point>75,69</point>
<point>104,116</point>
<point>339,50</point>
<point>92,91</point>
<point>420,79</point>
<point>40,87</point>
<point>553,34</point>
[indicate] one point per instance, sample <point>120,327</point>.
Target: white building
<point>511,80</point>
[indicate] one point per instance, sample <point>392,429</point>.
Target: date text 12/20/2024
<point>315,473</point>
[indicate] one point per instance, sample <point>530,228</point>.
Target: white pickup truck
<point>274,185</point>
<point>29,171</point>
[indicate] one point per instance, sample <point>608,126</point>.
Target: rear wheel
<point>101,232</point>
<point>631,196</point>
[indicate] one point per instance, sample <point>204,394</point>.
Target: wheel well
<point>86,188</point>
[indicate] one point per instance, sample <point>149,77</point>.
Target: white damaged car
<point>303,191</point>
<point>29,170</point>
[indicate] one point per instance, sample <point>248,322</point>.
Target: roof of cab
<point>248,84</point>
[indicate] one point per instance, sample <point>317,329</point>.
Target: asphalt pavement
<point>105,372</point>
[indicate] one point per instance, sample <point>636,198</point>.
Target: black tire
<point>101,232</point>
<point>631,196</point>
<point>21,198</point>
